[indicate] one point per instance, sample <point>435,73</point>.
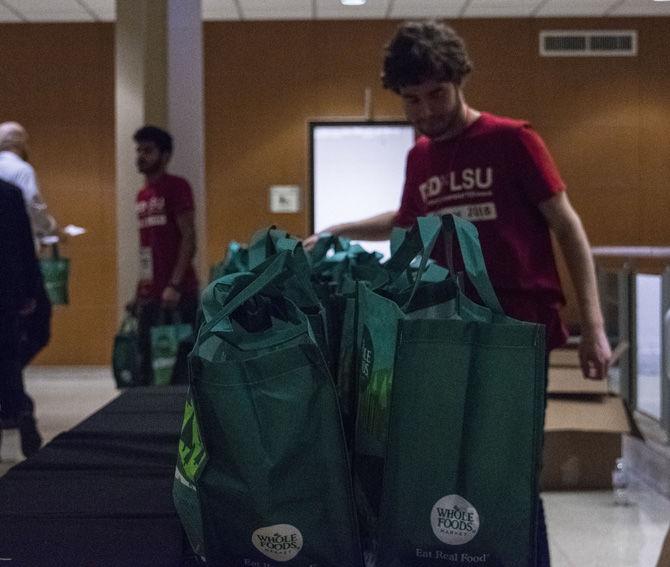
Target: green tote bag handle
<point>421,239</point>
<point>242,287</point>
<point>398,235</point>
<point>473,259</point>
<point>325,243</point>
<point>418,241</point>
<point>268,242</point>
<point>300,259</point>
<point>263,245</point>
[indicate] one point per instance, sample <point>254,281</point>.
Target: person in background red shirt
<point>165,210</point>
<point>497,173</point>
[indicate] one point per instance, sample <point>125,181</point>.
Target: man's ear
<point>165,157</point>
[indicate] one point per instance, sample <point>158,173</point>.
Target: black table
<point>100,494</point>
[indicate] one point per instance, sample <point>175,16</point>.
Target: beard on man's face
<point>434,127</point>
<point>146,166</point>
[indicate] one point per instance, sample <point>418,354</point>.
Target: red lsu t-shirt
<point>159,203</point>
<point>495,173</point>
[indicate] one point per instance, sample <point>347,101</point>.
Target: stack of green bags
<point>344,411</point>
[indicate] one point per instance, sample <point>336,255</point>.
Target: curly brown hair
<point>422,51</point>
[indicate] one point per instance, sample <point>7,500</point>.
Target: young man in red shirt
<point>165,210</point>
<point>497,173</point>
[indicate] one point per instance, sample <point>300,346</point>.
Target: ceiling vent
<point>579,43</point>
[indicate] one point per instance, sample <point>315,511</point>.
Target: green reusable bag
<point>334,277</point>
<point>266,244</point>
<point>236,260</point>
<point>346,263</point>
<point>165,341</point>
<point>326,244</point>
<point>410,291</point>
<point>464,431</point>
<point>378,312</point>
<point>191,460</point>
<point>272,485</point>
<point>125,353</point>
<point>56,273</point>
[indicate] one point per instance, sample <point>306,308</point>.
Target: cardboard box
<point>569,381</point>
<point>582,441</point>
<point>569,357</point>
<point>564,357</point>
<point>583,426</point>
<point>582,430</point>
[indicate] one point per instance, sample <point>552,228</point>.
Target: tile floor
<point>586,529</point>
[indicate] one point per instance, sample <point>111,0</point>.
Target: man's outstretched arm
<point>594,349</point>
<point>377,227</point>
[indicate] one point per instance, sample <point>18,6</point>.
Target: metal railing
<point>634,286</point>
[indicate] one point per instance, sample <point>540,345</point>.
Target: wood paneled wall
<point>606,120</point>
<point>58,81</point>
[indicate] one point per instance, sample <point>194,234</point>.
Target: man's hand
<point>594,354</point>
<point>170,297</point>
<point>310,242</point>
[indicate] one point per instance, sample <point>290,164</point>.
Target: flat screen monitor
<point>357,171</point>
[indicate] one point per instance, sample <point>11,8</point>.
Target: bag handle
<point>237,254</point>
<point>263,245</point>
<point>421,239</point>
<point>294,246</point>
<point>249,285</point>
<point>473,258</point>
<point>418,241</point>
<point>326,242</point>
<point>398,235</point>
<point>268,242</point>
<point>300,267</point>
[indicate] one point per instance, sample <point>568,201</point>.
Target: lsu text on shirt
<point>495,174</point>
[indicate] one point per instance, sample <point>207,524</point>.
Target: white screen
<point>648,333</point>
<point>358,172</point>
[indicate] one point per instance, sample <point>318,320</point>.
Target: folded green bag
<point>56,273</point>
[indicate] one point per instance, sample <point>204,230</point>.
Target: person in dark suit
<point>20,287</point>
<point>15,169</point>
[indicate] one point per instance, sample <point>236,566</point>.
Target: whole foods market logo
<point>281,542</point>
<point>454,520</point>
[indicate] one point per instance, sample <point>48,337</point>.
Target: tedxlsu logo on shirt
<point>469,179</point>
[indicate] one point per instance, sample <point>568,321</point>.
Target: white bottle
<point>620,483</point>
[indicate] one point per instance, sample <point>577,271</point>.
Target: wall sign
<point>284,199</point>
